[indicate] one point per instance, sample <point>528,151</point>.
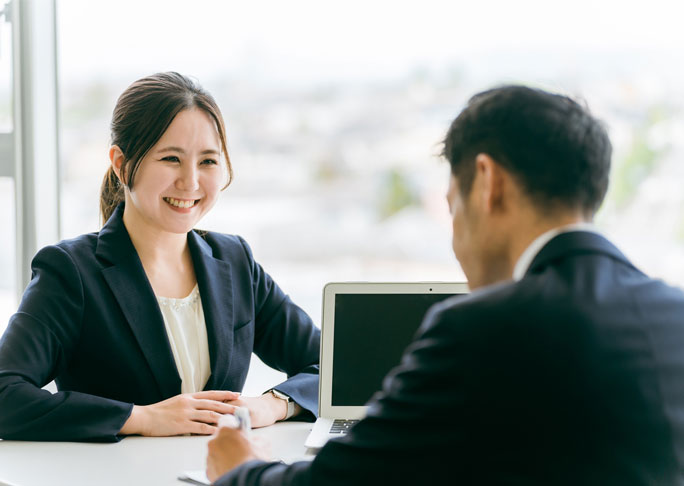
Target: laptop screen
<point>371,333</point>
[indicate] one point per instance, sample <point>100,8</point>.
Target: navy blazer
<point>90,320</point>
<point>574,375</point>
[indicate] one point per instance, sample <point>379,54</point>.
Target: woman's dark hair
<point>556,150</point>
<point>141,116</point>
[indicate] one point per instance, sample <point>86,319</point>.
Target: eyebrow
<point>181,151</point>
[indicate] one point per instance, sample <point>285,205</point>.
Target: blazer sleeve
<point>285,338</point>
<point>409,426</point>
<point>40,338</point>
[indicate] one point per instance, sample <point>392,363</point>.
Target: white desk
<point>133,461</point>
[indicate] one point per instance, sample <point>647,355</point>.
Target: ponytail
<point>111,194</point>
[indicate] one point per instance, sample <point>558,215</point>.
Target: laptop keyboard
<point>341,426</point>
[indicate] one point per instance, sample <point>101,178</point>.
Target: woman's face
<point>180,178</point>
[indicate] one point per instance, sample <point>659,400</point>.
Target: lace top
<point>187,332</point>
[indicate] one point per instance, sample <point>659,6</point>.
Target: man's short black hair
<point>554,148</point>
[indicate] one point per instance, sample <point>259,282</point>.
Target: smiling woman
<point>177,182</point>
<point>184,119</point>
<point>148,326</point>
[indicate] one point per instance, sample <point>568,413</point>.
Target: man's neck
<point>527,243</point>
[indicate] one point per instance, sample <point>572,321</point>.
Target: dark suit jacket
<point>573,375</point>
<point>90,320</point>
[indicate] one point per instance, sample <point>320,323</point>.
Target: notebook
<point>365,330</point>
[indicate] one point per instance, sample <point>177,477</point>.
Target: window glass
<point>8,303</point>
<point>335,113</point>
<point>5,70</point>
<point>7,207</point>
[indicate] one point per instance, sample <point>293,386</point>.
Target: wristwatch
<point>290,403</point>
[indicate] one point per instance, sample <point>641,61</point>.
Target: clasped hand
<point>199,413</point>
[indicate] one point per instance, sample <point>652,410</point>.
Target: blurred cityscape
<point>341,179</point>
<point>344,182</point>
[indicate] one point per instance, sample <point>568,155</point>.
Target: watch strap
<point>288,400</point>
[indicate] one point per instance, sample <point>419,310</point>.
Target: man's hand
<point>229,448</point>
<point>190,413</point>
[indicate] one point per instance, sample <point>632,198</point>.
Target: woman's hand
<point>264,410</point>
<point>190,413</point>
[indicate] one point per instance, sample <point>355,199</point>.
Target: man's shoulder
<point>509,308</point>
<point>479,311</point>
<point>559,300</point>
<point>491,299</point>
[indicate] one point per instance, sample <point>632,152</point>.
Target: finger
<point>236,403</point>
<point>197,428</point>
<point>200,428</point>
<point>206,417</point>
<point>230,421</point>
<point>228,433</point>
<point>215,406</point>
<point>219,395</point>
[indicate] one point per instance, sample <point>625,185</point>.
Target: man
<point>564,366</point>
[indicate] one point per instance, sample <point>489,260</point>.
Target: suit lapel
<point>214,278</point>
<point>132,290</point>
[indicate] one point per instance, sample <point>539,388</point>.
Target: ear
<point>116,157</point>
<point>492,180</point>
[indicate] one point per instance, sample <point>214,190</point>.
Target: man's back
<point>572,375</point>
<point>575,369</point>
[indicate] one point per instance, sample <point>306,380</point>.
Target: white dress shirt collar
<point>535,247</point>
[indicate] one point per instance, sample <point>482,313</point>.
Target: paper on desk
<point>195,477</point>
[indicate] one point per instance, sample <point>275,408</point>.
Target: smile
<point>188,203</point>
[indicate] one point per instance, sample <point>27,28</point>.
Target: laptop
<point>365,329</point>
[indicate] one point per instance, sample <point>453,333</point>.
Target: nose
<point>188,178</point>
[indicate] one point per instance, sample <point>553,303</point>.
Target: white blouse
<point>187,332</point>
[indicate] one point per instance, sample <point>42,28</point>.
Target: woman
<point>134,322</point>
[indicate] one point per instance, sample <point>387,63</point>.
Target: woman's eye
<point>209,162</point>
<point>171,158</point>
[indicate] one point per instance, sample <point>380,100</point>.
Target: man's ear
<point>492,180</point>
<point>116,157</point>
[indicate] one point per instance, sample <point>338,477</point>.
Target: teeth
<point>179,204</point>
